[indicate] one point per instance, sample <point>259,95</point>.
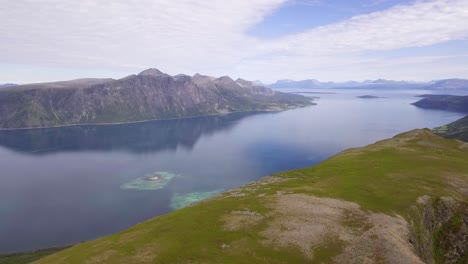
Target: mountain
<point>444,102</point>
<point>376,84</point>
<point>149,95</point>
<point>400,200</point>
<point>448,84</point>
<point>457,129</point>
<point>304,84</point>
<point>78,83</point>
<point>6,85</point>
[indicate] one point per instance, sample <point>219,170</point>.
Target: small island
<point>155,177</point>
<point>153,181</point>
<point>369,97</point>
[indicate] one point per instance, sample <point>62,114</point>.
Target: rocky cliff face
<point>149,95</point>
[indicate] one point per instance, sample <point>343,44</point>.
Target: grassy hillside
<point>401,200</point>
<point>27,257</point>
<point>457,129</point>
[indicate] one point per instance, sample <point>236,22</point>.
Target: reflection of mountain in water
<point>137,137</point>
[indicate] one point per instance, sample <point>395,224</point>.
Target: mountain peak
<point>152,72</point>
<point>200,76</point>
<point>244,83</point>
<point>226,78</point>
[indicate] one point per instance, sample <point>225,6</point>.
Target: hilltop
<point>149,95</point>
<point>400,200</point>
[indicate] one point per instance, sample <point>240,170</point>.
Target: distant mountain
<point>457,129</point>
<point>304,84</point>
<point>6,85</point>
<point>376,84</point>
<point>444,102</point>
<point>149,95</point>
<point>73,84</point>
<point>449,84</point>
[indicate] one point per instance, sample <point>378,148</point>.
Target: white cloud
<point>210,37</point>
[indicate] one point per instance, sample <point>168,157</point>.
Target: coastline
<point>150,120</point>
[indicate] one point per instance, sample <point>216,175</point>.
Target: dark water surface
<point>62,186</point>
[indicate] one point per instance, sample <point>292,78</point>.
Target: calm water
<point>62,186</point>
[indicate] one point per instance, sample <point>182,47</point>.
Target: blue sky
<point>329,40</point>
<point>299,16</point>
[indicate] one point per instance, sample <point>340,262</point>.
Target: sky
<point>266,40</point>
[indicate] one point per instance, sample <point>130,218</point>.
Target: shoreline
<point>150,120</point>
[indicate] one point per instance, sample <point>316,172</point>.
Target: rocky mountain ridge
<point>148,95</point>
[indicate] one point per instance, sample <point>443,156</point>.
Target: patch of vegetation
<point>326,251</point>
<point>451,238</point>
<point>27,257</point>
<point>457,129</point>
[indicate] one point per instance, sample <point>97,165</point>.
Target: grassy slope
<point>457,129</point>
<point>27,257</point>
<point>385,177</point>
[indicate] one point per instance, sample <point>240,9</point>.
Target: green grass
<point>385,177</point>
<point>27,257</point>
<point>457,129</point>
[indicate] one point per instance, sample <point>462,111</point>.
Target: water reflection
<point>137,137</point>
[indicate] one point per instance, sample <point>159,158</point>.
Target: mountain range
<point>148,95</point>
<point>448,84</point>
<point>6,85</point>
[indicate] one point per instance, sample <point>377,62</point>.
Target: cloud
<point>306,2</point>
<point>420,24</point>
<point>114,33</point>
<point>211,36</point>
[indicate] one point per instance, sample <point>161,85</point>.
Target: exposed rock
<point>311,223</point>
<point>439,230</point>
